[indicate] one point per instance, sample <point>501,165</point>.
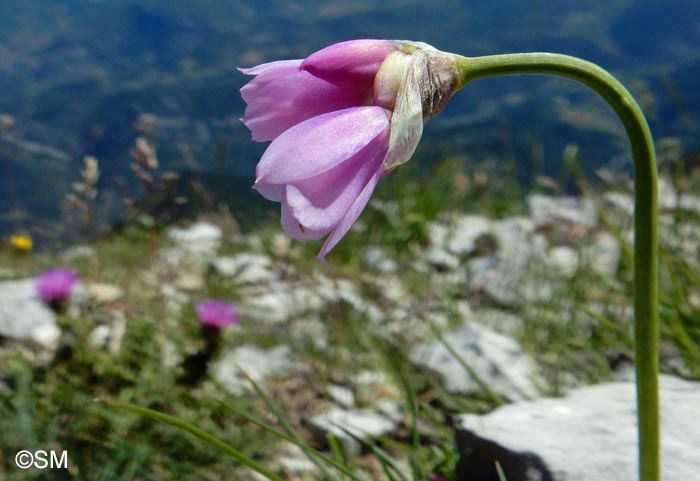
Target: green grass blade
<point>384,458</point>
<point>499,471</point>
<point>195,431</point>
<point>314,456</point>
<point>495,397</point>
<point>310,452</point>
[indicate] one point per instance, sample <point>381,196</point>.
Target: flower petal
<point>293,229</point>
<point>273,192</point>
<point>321,202</point>
<point>352,64</point>
<point>266,74</point>
<point>281,96</point>
<point>350,217</point>
<point>319,144</point>
<point>270,66</point>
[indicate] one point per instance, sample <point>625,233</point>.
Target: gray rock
<point>343,396</point>
<point>689,203</point>
<point>174,299</point>
<point>670,198</point>
<point>172,256</point>
<point>564,259</point>
<point>589,435</point>
<point>438,233</point>
<point>463,235</point>
<point>389,408</point>
<point>246,268</point>
<point>603,254</point>
<point>495,359</point>
<point>110,336</point>
<point>688,233</point>
<point>337,290</point>
<point>577,210</point>
<point>292,459</point>
<point>500,321</point>
<point>369,385</point>
<point>413,325</point>
<point>103,293</point>
<point>441,259</point>
<point>391,287</point>
<point>24,316</point>
<point>480,271</point>
<point>347,424</point>
<point>116,337</point>
<point>377,258</point>
<point>309,330</point>
<point>620,205</point>
<point>198,242</point>
<point>199,235</point>
<point>257,363</point>
<point>189,280</point>
<point>280,302</point>
<point>518,271</point>
<point>99,337</point>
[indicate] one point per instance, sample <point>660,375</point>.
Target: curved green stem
<point>645,220</point>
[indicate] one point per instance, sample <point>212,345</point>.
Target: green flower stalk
<point>346,116</point>
<point>645,220</point>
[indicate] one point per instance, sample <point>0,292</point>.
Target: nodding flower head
<point>339,121</point>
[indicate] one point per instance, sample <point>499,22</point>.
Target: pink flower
<point>216,313</point>
<point>285,93</point>
<point>339,121</point>
<point>54,286</point>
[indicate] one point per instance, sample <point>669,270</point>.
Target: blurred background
<point>126,206</point>
<point>87,78</point>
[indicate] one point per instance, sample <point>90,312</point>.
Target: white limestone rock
<point>256,362</point>
<point>23,315</point>
<point>348,424</point>
<point>246,268</point>
<point>495,359</point>
<point>589,435</point>
<point>577,210</point>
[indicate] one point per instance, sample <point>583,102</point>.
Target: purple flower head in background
<point>54,286</point>
<point>216,313</point>
<point>339,121</point>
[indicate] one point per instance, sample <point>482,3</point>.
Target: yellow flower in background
<point>21,242</point>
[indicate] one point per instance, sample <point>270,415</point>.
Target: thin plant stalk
<point>645,220</point>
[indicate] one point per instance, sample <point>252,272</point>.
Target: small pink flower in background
<point>339,121</point>
<point>54,286</point>
<point>216,313</point>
